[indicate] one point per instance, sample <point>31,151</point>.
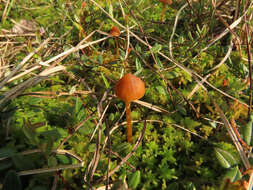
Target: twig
<point>227,26</point>
<point>138,143</point>
<point>249,63</point>
<point>174,28</point>
<point>100,121</point>
<point>196,88</point>
<point>75,130</point>
<point>233,137</point>
<point>109,154</point>
<point>16,35</point>
<point>5,10</point>
<point>20,65</point>
<point>24,73</point>
<point>74,49</point>
<point>51,169</point>
<point>96,156</point>
<point>17,90</point>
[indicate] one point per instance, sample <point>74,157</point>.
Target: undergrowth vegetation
<point>62,127</point>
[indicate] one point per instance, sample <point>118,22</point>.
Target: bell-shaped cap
<point>115,31</point>
<point>169,2</point>
<point>130,88</point>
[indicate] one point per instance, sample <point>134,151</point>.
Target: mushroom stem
<point>163,13</point>
<point>117,47</point>
<point>129,121</point>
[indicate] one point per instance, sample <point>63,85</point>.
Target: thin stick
<point>137,144</point>
<point>24,61</point>
<point>233,136</point>
<point>250,68</point>
<point>5,10</point>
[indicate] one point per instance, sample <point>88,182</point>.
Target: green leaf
<point>134,179</point>
<point>63,159</point>
<point>138,64</point>
<point>161,90</point>
<point>186,76</point>
<point>52,161</point>
<point>51,134</point>
<point>23,162</point>
<point>233,174</point>
<point>12,181</point>
<point>5,164</point>
<point>248,132</point>
<point>156,48</point>
<point>159,63</point>
<point>173,186</point>
<point>40,188</point>
<point>181,109</point>
<point>225,158</point>
<point>191,124</point>
<point>198,29</point>
<point>78,105</point>
<point>30,134</point>
<point>190,36</point>
<point>6,152</point>
<point>107,85</point>
<point>190,186</point>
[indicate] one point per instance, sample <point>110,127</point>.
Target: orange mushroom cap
<point>169,2</point>
<point>115,31</point>
<point>130,88</point>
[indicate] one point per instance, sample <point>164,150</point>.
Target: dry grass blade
<point>151,106</point>
<point>101,112</point>
<point>14,92</point>
<point>174,28</point>
<point>24,73</point>
<point>137,144</point>
<point>226,31</point>
<point>51,169</point>
<point>5,10</point>
<point>23,62</point>
<point>233,137</point>
<point>74,49</point>
<point>196,88</point>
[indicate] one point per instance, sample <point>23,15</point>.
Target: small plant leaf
<point>78,105</point>
<point>248,132</point>
<point>6,152</point>
<point>161,90</point>
<point>190,186</point>
<point>156,48</point>
<point>225,158</point>
<point>107,85</point>
<point>134,179</point>
<point>52,161</point>
<point>138,64</point>
<point>62,159</point>
<point>12,181</point>
<point>233,174</point>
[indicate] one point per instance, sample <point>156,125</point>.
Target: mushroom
<point>115,32</point>
<point>128,89</point>
<point>164,2</point>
